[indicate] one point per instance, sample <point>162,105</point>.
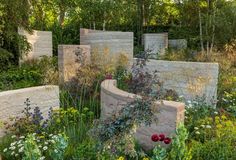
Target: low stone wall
<point>41,43</point>
<point>169,115</point>
<point>12,102</point>
<point>156,43</point>
<point>177,43</point>
<point>189,79</point>
<point>70,57</point>
<point>114,42</point>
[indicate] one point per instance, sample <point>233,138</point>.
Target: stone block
<point>189,79</point>
<point>41,44</point>
<point>12,102</point>
<point>169,114</point>
<point>177,43</point>
<point>70,58</point>
<point>114,42</point>
<point>155,43</point>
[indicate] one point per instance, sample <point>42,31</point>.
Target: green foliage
<point>215,149</point>
<point>179,150</point>
<point>5,59</point>
<point>36,147</point>
<point>31,149</point>
<point>159,153</point>
<point>30,74</point>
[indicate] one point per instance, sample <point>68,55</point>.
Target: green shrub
<point>217,149</point>
<point>34,73</point>
<point>5,59</point>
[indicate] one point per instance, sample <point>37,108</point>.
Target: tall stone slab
<point>41,44</point>
<point>189,79</point>
<point>114,42</point>
<point>12,102</point>
<point>70,58</point>
<point>170,114</point>
<point>155,43</point>
<point>177,43</point>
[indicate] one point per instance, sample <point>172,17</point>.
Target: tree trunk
<point>61,16</point>
<point>200,28</point>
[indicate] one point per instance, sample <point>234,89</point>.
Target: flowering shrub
<point>37,147</point>
<point>30,122</point>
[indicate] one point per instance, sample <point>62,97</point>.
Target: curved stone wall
<point>169,114</point>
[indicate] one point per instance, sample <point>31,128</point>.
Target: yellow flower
<point>121,158</point>
<point>145,158</point>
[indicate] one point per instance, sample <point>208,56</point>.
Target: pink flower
<point>155,138</point>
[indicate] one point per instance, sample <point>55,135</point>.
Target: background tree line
<point>206,24</point>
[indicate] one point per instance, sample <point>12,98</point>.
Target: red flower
<point>167,140</point>
<point>108,76</point>
<point>155,138</point>
<point>161,137</point>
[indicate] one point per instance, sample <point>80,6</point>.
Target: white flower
<point>21,149</point>
<point>216,112</point>
<point>50,135</point>
<point>20,145</point>
<point>42,158</point>
<point>55,151</point>
<point>46,143</point>
<point>12,153</point>
<point>40,146</point>
<point>19,141</point>
<point>197,132</point>
<point>196,128</point>
<point>5,150</point>
<point>203,126</point>
<point>13,143</point>
<point>16,154</point>
<point>22,137</point>
<point>12,148</point>
<point>53,141</point>
<point>45,148</point>
<point>13,136</point>
<point>208,126</point>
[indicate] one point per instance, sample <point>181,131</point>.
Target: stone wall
<point>156,43</point>
<point>41,43</point>
<point>12,102</point>
<point>70,57</point>
<point>177,43</point>
<point>169,115</point>
<point>189,79</point>
<point>114,42</point>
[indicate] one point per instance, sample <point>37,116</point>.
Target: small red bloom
<point>155,138</point>
<point>108,76</point>
<point>161,137</point>
<point>167,140</point>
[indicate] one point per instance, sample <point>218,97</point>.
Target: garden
<point>148,80</point>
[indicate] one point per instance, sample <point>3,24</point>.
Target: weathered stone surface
<point>115,42</point>
<point>169,114</point>
<point>177,43</point>
<point>189,79</point>
<point>41,43</point>
<point>156,43</point>
<point>70,57</point>
<point>12,102</point>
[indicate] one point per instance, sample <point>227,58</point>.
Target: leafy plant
<point>179,150</point>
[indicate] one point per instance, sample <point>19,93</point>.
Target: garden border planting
<point>169,113</point>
